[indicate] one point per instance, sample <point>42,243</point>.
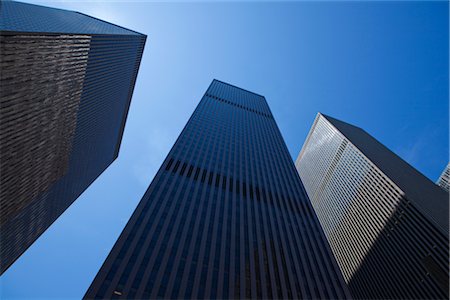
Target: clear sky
<point>383,66</point>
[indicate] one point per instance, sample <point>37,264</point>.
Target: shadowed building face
<point>41,86</point>
<point>226,216</point>
<point>66,84</point>
<point>386,223</point>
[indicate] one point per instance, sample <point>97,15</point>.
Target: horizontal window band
<point>239,106</point>
<point>249,191</point>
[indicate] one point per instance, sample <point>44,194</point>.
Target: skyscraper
<point>444,179</point>
<point>387,224</point>
<point>65,88</point>
<point>226,216</point>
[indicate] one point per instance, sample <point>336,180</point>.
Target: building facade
<point>226,216</point>
<point>444,179</point>
<point>387,224</point>
<point>66,86</point>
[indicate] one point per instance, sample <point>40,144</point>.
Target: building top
<point>421,191</point>
<point>239,97</point>
<point>236,87</point>
<point>24,17</point>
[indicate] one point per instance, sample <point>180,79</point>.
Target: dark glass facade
<point>387,224</point>
<point>66,86</point>
<point>226,216</point>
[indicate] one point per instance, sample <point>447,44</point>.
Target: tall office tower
<point>444,179</point>
<point>387,224</point>
<point>66,82</point>
<point>226,216</point>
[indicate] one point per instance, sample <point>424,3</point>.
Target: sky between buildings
<point>382,66</point>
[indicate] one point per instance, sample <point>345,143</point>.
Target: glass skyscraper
<point>387,224</point>
<point>444,179</point>
<point>226,216</point>
<point>65,88</point>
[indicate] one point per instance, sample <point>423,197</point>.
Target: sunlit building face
<point>444,179</point>
<point>386,223</point>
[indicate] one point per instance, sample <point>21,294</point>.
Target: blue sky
<point>382,66</point>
